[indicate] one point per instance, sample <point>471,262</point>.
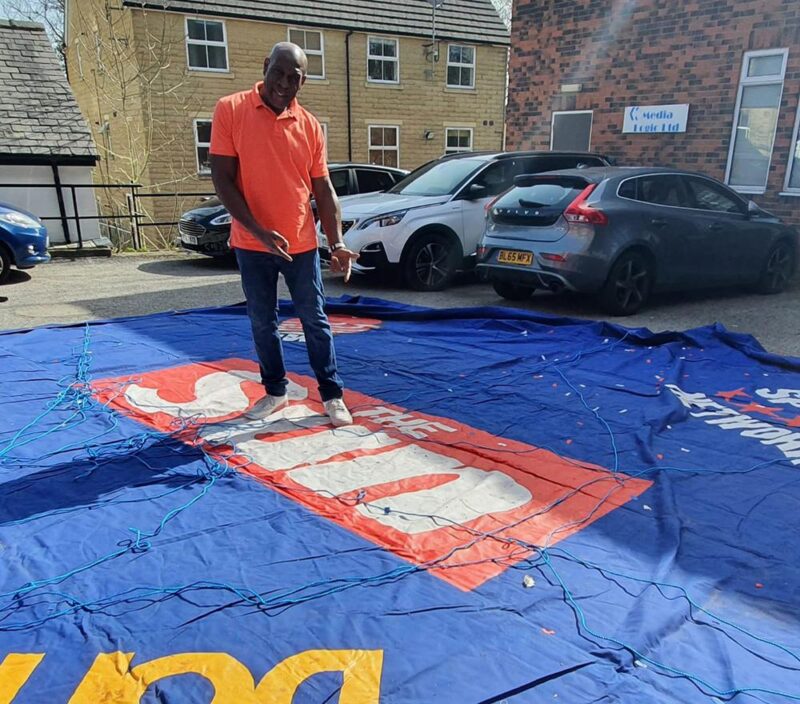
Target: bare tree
<point>141,106</point>
<point>138,103</point>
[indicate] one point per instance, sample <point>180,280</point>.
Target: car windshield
<point>438,178</point>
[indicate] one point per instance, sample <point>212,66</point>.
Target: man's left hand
<point>342,260</point>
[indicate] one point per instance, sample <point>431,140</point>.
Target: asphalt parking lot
<point>72,291</point>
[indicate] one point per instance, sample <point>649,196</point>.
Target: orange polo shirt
<point>278,156</point>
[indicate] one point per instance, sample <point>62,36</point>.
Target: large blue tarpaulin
<point>526,509</point>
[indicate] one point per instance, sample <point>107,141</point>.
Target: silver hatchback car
<point>625,232</point>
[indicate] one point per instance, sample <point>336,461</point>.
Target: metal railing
<point>136,218</point>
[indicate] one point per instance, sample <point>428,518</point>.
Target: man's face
<point>283,77</point>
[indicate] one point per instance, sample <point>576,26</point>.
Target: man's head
<point>284,73</point>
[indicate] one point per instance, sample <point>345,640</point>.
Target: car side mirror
<point>752,209</point>
<point>476,191</point>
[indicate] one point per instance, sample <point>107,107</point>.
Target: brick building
<point>147,75</point>
<point>707,85</point>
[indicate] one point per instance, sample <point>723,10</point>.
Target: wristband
<point>336,247</point>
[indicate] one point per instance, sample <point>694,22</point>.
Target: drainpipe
<point>349,98</point>
<point>61,209</point>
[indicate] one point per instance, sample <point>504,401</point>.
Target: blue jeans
<point>259,272</point>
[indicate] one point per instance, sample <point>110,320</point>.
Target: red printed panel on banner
<point>456,500</point>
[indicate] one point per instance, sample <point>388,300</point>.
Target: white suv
<point>431,222</point>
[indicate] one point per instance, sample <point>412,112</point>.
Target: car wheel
<point>778,269</point>
<point>512,292</point>
<point>430,263</point>
<point>5,265</point>
<point>628,285</point>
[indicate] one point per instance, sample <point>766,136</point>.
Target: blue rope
<point>581,616</point>
<point>76,397</point>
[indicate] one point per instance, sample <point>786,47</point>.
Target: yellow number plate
<point>511,256</point>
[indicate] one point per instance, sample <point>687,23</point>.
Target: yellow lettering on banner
<point>108,680</point>
<point>361,671</point>
<point>111,680</point>
<point>15,670</point>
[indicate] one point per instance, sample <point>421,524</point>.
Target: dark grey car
<point>625,232</point>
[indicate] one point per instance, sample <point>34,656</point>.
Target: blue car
<point>23,240</point>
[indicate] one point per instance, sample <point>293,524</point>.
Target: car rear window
<point>540,204</point>
<point>539,195</point>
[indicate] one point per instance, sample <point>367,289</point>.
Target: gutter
<point>47,159</point>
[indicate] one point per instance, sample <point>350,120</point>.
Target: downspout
<point>349,97</point>
<point>61,209</point>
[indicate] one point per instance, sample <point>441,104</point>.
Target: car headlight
<point>386,220</point>
<point>20,220</point>
<point>224,219</point>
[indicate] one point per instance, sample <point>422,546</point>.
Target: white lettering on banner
<point>241,430</point>
<point>700,406</point>
<point>406,423</point>
<point>789,445</point>
<point>766,433</point>
<point>655,118</point>
<point>461,493</point>
<point>733,421</point>
<point>781,397</point>
<point>217,394</point>
<point>467,493</point>
<point>445,488</point>
<point>254,439</point>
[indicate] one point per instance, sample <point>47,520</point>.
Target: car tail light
<point>553,257</point>
<point>580,211</point>
<point>488,207</point>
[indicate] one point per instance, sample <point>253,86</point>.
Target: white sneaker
<point>266,406</point>
<point>338,412</point>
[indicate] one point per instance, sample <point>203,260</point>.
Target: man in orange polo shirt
<point>267,157</point>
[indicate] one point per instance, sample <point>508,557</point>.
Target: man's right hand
<point>275,242</point>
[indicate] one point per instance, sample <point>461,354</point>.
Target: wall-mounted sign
<point>656,118</point>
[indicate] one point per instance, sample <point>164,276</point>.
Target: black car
<point>206,229</point>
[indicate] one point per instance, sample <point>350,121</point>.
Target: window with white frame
<point>206,45</point>
<point>755,120</point>
<point>384,145</point>
<point>792,184</point>
<point>457,139</point>
<point>460,66</point>
<point>202,144</point>
<point>312,42</point>
<point>383,61</point>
